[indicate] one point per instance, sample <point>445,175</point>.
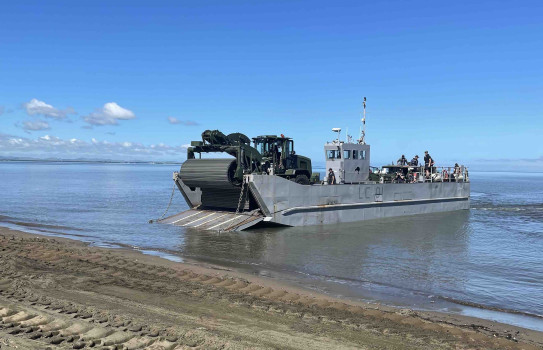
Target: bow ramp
<point>215,220</point>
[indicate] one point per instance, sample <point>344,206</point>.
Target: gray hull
<point>287,203</point>
<point>291,204</point>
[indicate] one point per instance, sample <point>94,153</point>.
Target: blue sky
<point>461,79</point>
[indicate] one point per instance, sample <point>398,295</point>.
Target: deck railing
<point>433,174</point>
<point>411,174</point>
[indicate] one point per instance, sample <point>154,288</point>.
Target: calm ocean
<point>485,262</point>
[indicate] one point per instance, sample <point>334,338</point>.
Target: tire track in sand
<point>28,312</point>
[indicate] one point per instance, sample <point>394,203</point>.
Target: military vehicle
<point>280,158</point>
<point>271,154</point>
<point>398,173</point>
<point>219,182</point>
<point>268,182</point>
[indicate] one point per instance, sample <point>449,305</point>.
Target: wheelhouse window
<point>355,154</point>
<point>346,154</point>
<point>362,155</point>
<point>333,154</point>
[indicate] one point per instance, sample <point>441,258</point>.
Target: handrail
<point>423,173</point>
<point>447,174</point>
<point>418,174</point>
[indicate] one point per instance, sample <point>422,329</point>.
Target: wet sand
<point>59,293</point>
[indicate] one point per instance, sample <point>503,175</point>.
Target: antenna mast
<point>362,139</point>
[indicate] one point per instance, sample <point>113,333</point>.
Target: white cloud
<point>15,141</point>
<point>174,120</point>
<point>35,125</point>
<point>37,107</point>
<point>109,114</point>
<point>115,111</point>
<point>72,148</point>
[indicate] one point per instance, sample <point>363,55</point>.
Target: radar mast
<point>362,139</point>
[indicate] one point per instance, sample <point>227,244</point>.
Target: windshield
<point>288,147</point>
<point>262,147</point>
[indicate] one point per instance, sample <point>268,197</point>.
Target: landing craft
<point>268,182</point>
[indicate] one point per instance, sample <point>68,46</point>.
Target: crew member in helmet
<point>402,161</point>
<point>331,177</point>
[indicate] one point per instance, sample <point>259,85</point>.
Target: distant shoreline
<point>92,161</point>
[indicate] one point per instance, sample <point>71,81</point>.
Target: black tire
<point>302,180</point>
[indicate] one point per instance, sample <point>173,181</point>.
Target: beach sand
<point>60,293</point>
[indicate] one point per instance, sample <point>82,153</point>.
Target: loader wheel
<point>302,180</point>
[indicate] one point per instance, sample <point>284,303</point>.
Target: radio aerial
<point>338,130</point>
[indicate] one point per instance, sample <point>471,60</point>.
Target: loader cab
<point>278,151</point>
<point>280,158</point>
<point>270,145</point>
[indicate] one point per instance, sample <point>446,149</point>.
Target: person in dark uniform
<point>402,161</point>
<point>276,156</point>
<point>400,178</point>
<point>331,177</point>
<point>457,171</point>
<point>428,163</point>
<point>415,161</point>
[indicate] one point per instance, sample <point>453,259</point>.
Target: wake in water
<point>504,207</point>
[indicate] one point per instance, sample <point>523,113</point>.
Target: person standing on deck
<point>428,163</point>
<point>402,161</point>
<point>331,177</point>
<point>415,163</point>
<point>456,171</point>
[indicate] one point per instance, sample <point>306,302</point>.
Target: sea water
<point>485,262</point>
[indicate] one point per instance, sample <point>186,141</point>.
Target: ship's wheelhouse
<point>349,161</point>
